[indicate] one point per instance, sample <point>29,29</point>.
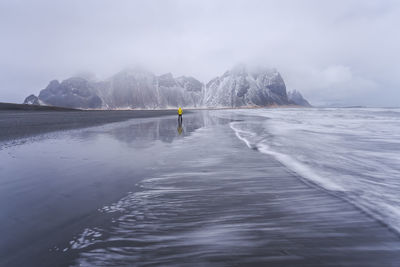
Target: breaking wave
<point>353,151</point>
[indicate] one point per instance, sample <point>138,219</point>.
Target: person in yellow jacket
<point>180,112</point>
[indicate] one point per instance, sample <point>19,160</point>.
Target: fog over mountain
<point>335,52</point>
<point>137,88</point>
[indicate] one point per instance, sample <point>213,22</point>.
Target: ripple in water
<point>355,151</point>
<point>231,205</point>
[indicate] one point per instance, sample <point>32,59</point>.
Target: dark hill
<point>12,106</point>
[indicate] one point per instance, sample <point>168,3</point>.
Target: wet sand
<point>22,124</point>
<point>144,192</point>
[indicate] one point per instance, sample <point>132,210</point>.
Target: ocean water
<point>212,200</point>
<point>214,192</point>
<point>353,152</point>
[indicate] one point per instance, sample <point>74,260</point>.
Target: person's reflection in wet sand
<point>180,129</point>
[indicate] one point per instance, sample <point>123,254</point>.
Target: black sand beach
<point>146,192</point>
<point>24,123</point>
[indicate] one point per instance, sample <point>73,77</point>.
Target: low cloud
<point>332,51</point>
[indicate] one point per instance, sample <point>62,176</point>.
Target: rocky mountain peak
<point>190,83</point>
<point>167,80</point>
<point>32,100</point>
<point>244,86</point>
<point>74,92</point>
<point>138,88</point>
<point>297,98</point>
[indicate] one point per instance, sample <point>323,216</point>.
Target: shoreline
<point>203,194</point>
<point>24,123</point>
<point>29,107</point>
<point>17,125</point>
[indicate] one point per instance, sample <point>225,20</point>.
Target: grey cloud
<point>332,51</point>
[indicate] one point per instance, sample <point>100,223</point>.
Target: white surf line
<point>288,161</point>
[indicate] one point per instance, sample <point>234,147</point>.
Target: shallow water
<point>223,205</point>
<point>145,192</point>
<point>52,184</point>
<point>352,151</point>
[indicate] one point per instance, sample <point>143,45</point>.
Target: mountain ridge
<point>142,89</point>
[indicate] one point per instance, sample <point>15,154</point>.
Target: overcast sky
<point>341,52</point>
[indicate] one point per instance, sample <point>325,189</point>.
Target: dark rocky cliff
<point>141,89</point>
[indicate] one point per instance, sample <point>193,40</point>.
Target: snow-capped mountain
<point>242,87</point>
<point>296,98</point>
<point>138,88</point>
<point>74,92</point>
<point>134,88</point>
<point>142,89</point>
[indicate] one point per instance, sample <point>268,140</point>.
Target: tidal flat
<point>147,191</point>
